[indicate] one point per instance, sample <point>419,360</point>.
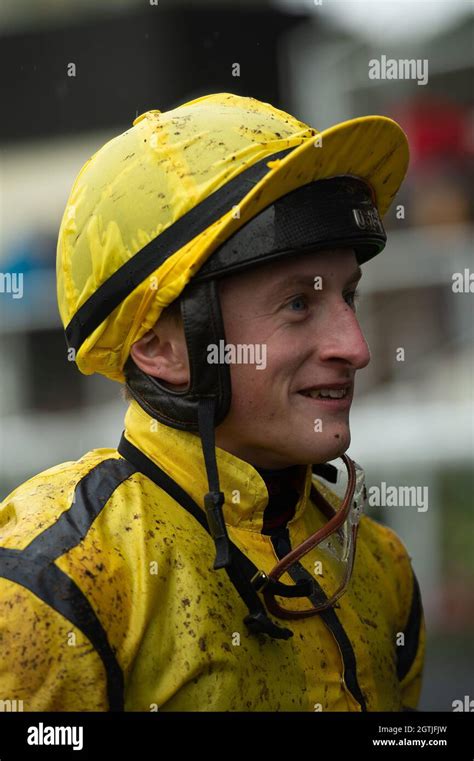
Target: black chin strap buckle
<point>259,623</point>
<point>302,588</point>
<point>213,502</point>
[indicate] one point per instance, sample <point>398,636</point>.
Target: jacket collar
<point>179,454</point>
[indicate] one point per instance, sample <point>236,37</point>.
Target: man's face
<point>313,343</point>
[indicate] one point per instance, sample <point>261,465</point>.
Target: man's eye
<point>352,298</point>
<point>300,301</point>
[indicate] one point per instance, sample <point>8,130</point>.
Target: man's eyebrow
<point>308,280</point>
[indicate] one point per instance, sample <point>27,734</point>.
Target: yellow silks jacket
<point>108,598</point>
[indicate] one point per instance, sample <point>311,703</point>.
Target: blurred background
<point>412,421</point>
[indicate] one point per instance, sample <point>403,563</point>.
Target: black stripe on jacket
<point>34,567</point>
<point>406,655</point>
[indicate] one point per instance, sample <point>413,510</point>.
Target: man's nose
<point>343,339</point>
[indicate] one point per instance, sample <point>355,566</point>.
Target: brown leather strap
<point>330,527</point>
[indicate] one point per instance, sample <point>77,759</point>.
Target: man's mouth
<point>331,391</point>
<point>326,393</point>
<point>335,396</point>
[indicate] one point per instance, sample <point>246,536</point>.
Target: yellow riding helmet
<point>151,206</point>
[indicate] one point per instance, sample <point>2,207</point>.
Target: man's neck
<point>284,486</point>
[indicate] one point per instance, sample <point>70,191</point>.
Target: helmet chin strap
<point>257,619</point>
<point>214,499</point>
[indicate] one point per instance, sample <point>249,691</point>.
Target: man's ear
<point>162,353</point>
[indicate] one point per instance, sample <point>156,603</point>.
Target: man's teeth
<point>326,393</point>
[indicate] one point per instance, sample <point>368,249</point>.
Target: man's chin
<point>331,448</point>
<point>280,452</point>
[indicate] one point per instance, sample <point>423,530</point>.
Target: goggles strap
<point>329,528</point>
